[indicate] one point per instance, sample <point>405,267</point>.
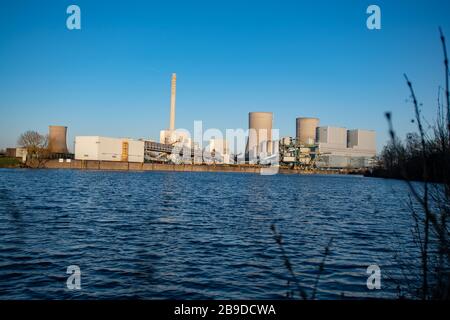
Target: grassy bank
<point>7,162</point>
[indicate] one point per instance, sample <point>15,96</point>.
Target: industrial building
<point>328,147</point>
<point>56,145</point>
<point>219,151</point>
<point>332,137</point>
<point>313,146</point>
<point>174,143</point>
<point>108,149</point>
<point>19,153</point>
<point>218,146</point>
<point>361,141</point>
<point>342,148</point>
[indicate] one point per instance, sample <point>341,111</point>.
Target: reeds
<point>430,230</point>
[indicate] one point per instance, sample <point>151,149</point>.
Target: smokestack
<point>172,101</point>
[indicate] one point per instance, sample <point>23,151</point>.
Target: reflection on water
<point>196,235</point>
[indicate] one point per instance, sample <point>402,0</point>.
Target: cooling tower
<point>260,132</point>
<point>306,130</point>
<point>57,139</point>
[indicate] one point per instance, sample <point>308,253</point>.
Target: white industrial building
<point>341,141</point>
<point>221,150</point>
<point>332,140</point>
<point>19,152</point>
<point>218,145</point>
<point>362,142</point>
<point>108,149</point>
<point>179,137</point>
<point>342,148</point>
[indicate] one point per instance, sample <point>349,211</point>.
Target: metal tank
<point>260,133</point>
<point>306,130</point>
<point>57,139</point>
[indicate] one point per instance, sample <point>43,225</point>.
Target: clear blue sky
<point>294,58</point>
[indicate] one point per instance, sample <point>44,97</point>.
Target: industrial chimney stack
<point>172,102</point>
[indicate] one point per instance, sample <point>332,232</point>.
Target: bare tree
<point>36,145</point>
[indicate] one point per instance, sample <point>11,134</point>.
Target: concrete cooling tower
<point>260,132</point>
<point>57,139</point>
<point>306,130</point>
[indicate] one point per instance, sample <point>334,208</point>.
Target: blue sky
<point>294,58</point>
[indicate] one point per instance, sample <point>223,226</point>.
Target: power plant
<point>108,149</point>
<point>313,146</point>
<point>327,147</point>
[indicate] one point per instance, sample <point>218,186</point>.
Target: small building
<point>18,152</point>
<point>108,149</point>
<point>10,152</point>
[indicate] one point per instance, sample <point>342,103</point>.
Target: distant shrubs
<point>404,159</point>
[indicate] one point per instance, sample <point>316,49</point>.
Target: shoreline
<point>133,166</point>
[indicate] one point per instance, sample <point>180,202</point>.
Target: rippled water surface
<point>196,235</point>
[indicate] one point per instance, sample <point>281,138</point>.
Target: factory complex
<point>314,146</point>
<point>328,147</point>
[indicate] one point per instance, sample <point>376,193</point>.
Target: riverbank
<point>7,162</point>
<point>131,166</point>
<point>397,175</point>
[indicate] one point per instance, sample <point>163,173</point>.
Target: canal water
<point>175,235</point>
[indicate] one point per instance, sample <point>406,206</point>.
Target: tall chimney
<point>172,101</point>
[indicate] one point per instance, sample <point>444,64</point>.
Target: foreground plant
<point>429,156</point>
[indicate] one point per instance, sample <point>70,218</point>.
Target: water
<point>173,235</point>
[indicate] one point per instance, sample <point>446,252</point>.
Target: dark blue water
<point>196,235</point>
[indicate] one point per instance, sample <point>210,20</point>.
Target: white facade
<point>227,159</point>
<point>108,149</point>
<point>362,141</point>
<point>344,161</point>
<point>332,136</point>
<point>165,136</point>
<point>219,145</point>
<point>175,136</point>
<point>343,142</point>
<point>332,140</point>
<point>341,148</point>
<point>21,153</point>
